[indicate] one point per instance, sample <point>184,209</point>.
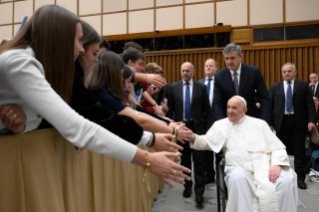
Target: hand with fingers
<point>166,169</point>
<point>274,173</point>
<point>153,90</point>
<point>182,133</point>
<point>13,118</point>
<point>165,108</point>
<point>156,80</point>
<point>163,143</point>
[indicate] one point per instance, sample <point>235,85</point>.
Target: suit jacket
<point>203,81</point>
<point>303,104</point>
<point>201,112</point>
<point>251,79</point>
<point>316,93</point>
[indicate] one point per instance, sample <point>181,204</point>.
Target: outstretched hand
<point>156,80</point>
<point>163,143</point>
<point>274,173</point>
<point>166,169</point>
<point>184,134</point>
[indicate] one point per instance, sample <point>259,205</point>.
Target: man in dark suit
<point>240,79</point>
<point>188,102</point>
<point>210,70</point>
<point>293,114</point>
<point>313,85</point>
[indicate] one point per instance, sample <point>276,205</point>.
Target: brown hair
<point>90,36</point>
<point>107,74</point>
<point>134,45</point>
<point>51,33</point>
<point>153,68</point>
<point>132,54</point>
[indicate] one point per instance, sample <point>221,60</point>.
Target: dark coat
<point>201,112</point>
<point>251,79</point>
<point>303,104</point>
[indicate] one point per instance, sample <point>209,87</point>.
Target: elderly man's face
<point>288,73</point>
<point>232,60</point>
<point>235,109</point>
<point>313,78</point>
<point>187,72</point>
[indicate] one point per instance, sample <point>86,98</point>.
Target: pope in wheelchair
<point>257,171</point>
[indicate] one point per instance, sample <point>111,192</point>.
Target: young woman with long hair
<point>106,80</point>
<point>49,43</point>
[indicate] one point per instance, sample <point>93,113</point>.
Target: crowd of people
<point>108,103</point>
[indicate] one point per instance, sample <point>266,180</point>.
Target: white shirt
<point>191,84</point>
<point>238,73</point>
<point>316,85</point>
<point>292,91</point>
<point>211,92</point>
<point>22,83</point>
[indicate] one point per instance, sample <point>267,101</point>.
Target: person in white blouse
<point>36,74</point>
<point>258,173</point>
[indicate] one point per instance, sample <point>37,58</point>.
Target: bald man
<point>258,173</point>
<point>188,102</point>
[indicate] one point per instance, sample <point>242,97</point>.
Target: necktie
<point>289,98</point>
<point>236,82</point>
<point>188,114</point>
<point>313,90</point>
<point>208,86</point>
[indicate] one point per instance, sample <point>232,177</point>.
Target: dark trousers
<point>209,164</point>
<point>294,140</point>
<point>199,164</point>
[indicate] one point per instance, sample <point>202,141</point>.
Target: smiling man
<point>257,170</point>
<point>294,114</point>
<point>238,78</point>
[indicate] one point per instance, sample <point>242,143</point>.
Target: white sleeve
<point>23,74</point>
<point>145,138</point>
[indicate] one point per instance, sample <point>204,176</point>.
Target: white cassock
<point>250,149</point>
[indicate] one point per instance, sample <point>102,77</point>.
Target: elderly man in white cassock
<point>258,174</point>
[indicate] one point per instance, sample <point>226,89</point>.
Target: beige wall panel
<point>16,28</point>
<point>89,7</point>
<point>167,2</point>
<point>6,13</point>
<point>199,15</point>
<point>266,12</point>
<point>21,9</point>
<point>5,0</point>
<point>114,5</point>
<point>191,1</point>
<point>232,12</point>
<point>169,18</point>
<point>94,21</point>
<point>5,32</point>
<point>138,4</point>
<point>302,10</point>
<point>114,24</point>
<point>68,4</point>
<point>40,3</point>
<point>141,21</point>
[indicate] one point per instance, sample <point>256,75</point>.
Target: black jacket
<point>84,103</point>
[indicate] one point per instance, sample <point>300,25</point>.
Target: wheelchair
<point>221,188</point>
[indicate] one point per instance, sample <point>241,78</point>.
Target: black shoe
<point>187,192</point>
<point>302,184</point>
<point>209,180</point>
<point>199,199</point>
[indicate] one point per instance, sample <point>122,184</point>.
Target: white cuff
<point>145,138</point>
